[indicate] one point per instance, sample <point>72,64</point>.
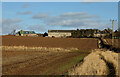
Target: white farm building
<point>60,33</point>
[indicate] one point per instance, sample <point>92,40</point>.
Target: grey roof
<point>27,32</point>
<point>71,30</point>
<point>61,30</point>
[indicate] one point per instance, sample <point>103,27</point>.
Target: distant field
<point>82,44</point>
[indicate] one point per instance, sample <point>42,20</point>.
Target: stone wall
<point>59,34</point>
<point>29,34</point>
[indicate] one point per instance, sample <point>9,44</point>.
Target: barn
<point>60,33</point>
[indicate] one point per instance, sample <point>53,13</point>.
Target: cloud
<point>6,29</point>
<point>25,6</point>
<point>96,0</point>
<point>40,16</point>
<point>38,27</point>
<point>0,26</point>
<point>10,24</point>
<point>100,0</point>
<point>11,21</point>
<point>0,22</point>
<point>73,19</point>
<point>69,19</point>
<point>74,13</point>
<point>24,13</point>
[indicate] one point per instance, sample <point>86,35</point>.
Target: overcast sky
<point>44,16</point>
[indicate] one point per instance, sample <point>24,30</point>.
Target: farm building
<point>79,33</point>
<point>26,33</point>
<point>60,33</point>
<point>100,35</point>
<point>104,33</point>
<point>73,33</point>
<point>85,32</point>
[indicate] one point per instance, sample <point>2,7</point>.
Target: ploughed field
<point>43,56</point>
<point>39,62</point>
<point>82,44</point>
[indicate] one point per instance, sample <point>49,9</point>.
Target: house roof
<point>61,30</point>
<point>71,30</point>
<point>27,32</point>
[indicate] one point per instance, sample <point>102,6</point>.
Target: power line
<point>113,31</point>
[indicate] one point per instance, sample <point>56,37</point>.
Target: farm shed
<point>60,33</point>
<point>26,33</point>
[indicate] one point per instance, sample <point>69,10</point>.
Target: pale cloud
<point>6,29</point>
<point>74,13</point>
<point>0,20</point>
<point>69,19</point>
<point>25,6</point>
<point>9,25</point>
<point>58,0</point>
<point>99,0</point>
<point>77,15</point>
<point>40,16</point>
<point>0,26</point>
<point>24,13</point>
<point>37,27</point>
<point>11,21</point>
<point>73,19</point>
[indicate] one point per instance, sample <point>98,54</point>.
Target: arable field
<point>39,62</point>
<point>56,56</point>
<point>82,44</point>
<point>43,56</point>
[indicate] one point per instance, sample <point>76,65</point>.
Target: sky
<point>43,16</point>
<point>60,0</point>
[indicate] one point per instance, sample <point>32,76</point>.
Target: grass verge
<point>71,63</point>
<point>65,66</point>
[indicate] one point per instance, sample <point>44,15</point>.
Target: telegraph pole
<point>112,33</point>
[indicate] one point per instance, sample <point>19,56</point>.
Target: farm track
<point>41,65</point>
<point>99,62</point>
<point>111,68</point>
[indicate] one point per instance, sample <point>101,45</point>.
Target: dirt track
<point>99,62</point>
<point>38,63</point>
<point>82,44</point>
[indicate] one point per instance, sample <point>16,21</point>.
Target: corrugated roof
<point>71,30</point>
<point>61,30</point>
<point>27,32</point>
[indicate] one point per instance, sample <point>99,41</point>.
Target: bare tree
<point>13,32</point>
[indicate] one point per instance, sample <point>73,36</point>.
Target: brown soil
<point>82,44</point>
<point>36,62</point>
<point>42,62</point>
